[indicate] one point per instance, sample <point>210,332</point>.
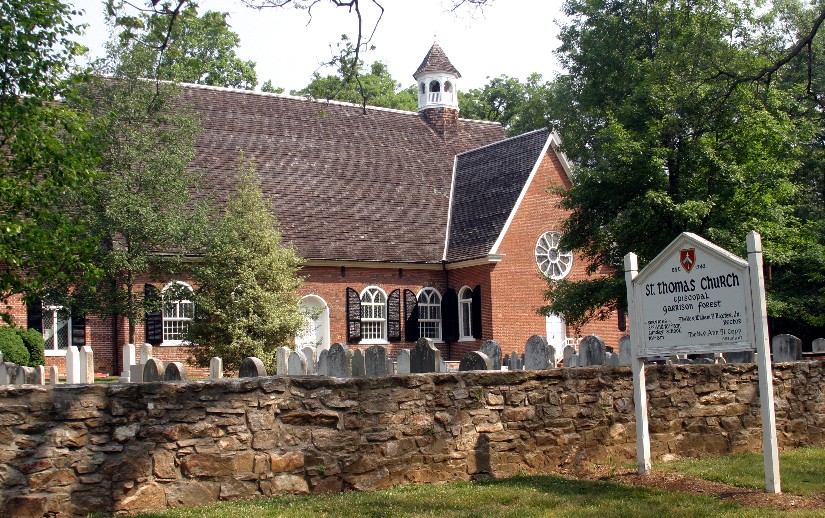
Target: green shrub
<point>33,341</point>
<point>12,346</point>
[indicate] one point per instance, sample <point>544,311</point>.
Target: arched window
<point>551,260</point>
<point>57,329</point>
<point>435,86</point>
<point>178,312</point>
<point>373,315</point>
<point>448,86</point>
<point>423,88</point>
<point>465,313</point>
<point>315,331</point>
<point>429,314</point>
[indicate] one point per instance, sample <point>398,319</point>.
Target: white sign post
<point>695,297</point>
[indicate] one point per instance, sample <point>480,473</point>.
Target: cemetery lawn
<point>679,489</point>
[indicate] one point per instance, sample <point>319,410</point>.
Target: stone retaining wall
<point>126,448</point>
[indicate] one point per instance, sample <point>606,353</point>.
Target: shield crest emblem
<point>687,258</point>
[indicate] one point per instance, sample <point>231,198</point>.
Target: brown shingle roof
<point>345,183</point>
<point>436,61</point>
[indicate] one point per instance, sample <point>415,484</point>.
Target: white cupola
<point>436,81</point>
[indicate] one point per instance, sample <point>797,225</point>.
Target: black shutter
<point>154,319</point>
<point>449,316</point>
<point>353,316</point>
<point>394,316</point>
<point>34,314</point>
<point>622,320</point>
<point>78,330</point>
<point>476,312</point>
<point>411,331</point>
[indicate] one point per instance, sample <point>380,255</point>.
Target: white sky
<point>512,37</point>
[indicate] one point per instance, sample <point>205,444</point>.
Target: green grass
<point>802,471</point>
<point>516,497</point>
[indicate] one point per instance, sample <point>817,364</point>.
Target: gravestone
<point>740,357</point>
<point>493,351</point>
<point>297,364</point>
<point>25,375</point>
<point>175,371</point>
<point>625,354</point>
<point>442,366</point>
<point>41,375</point>
<point>72,365</point>
<point>54,373</point>
<point>87,364</point>
<point>251,367</point>
<point>375,361</point>
<point>786,348</point>
<point>309,354</point>
<point>592,351</point>
<point>146,353</point>
<point>424,357</point>
<point>128,354</point>
<point>282,361</point>
<point>403,362</point>
<point>569,357</point>
<point>818,345</point>
<point>359,368</point>
<point>216,368</point>
<point>340,361</point>
<point>475,361</point>
<point>611,359</point>
<point>8,372</point>
<point>153,370</point>
<point>537,354</point>
<point>322,369</point>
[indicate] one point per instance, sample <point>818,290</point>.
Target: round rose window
<point>552,261</point>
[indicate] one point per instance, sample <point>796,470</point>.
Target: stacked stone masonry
<point>72,450</point>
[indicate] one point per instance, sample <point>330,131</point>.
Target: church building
<point>411,224</point>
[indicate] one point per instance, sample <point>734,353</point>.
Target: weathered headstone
<point>282,360</point>
<point>72,365</point>
<point>129,359</point>
<point>570,358</point>
<point>493,351</point>
<point>537,354</point>
<point>740,357</point>
<point>310,354</point>
<point>216,368</point>
<point>442,366</point>
<point>475,361</point>
<point>251,367</point>
<point>54,374</point>
<point>591,351</point>
<point>359,368</point>
<point>375,361</point>
<point>297,364</point>
<point>136,373</point>
<point>41,374</point>
<point>87,364</point>
<point>403,362</point>
<point>25,375</point>
<point>425,357</point>
<point>8,372</point>
<point>611,359</point>
<point>817,346</point>
<point>322,369</point>
<point>175,371</point>
<point>153,370</point>
<point>340,361</point>
<point>146,353</point>
<point>625,354</point>
<point>786,348</point>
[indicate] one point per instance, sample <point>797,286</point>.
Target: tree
<point>519,107</point>
<point>197,49</point>
<point>45,150</point>
<point>269,88</point>
<point>247,300</point>
<point>667,140</point>
<point>141,212</point>
<point>376,88</point>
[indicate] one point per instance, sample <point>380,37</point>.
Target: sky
<point>510,37</point>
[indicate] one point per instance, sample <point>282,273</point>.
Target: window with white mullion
<point>465,313</point>
<point>56,329</point>
<point>373,315</point>
<point>429,314</point>
<point>178,312</point>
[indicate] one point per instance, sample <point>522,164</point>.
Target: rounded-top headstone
<point>175,371</point>
<point>153,370</point>
<point>592,351</point>
<point>493,351</point>
<point>817,346</point>
<point>375,361</point>
<point>475,361</point>
<point>537,354</point>
<point>251,367</point>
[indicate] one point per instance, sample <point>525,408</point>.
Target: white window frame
<point>55,310</point>
<point>317,327</point>
<point>371,307</point>
<point>185,321</point>
<point>465,322</point>
<point>550,259</point>
<point>428,293</point>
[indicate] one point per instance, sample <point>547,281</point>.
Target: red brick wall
<point>474,276</point>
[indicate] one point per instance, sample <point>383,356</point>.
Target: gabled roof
<point>488,183</point>
<point>436,61</point>
<point>346,183</point>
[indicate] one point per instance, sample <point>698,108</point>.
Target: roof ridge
<point>498,142</point>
